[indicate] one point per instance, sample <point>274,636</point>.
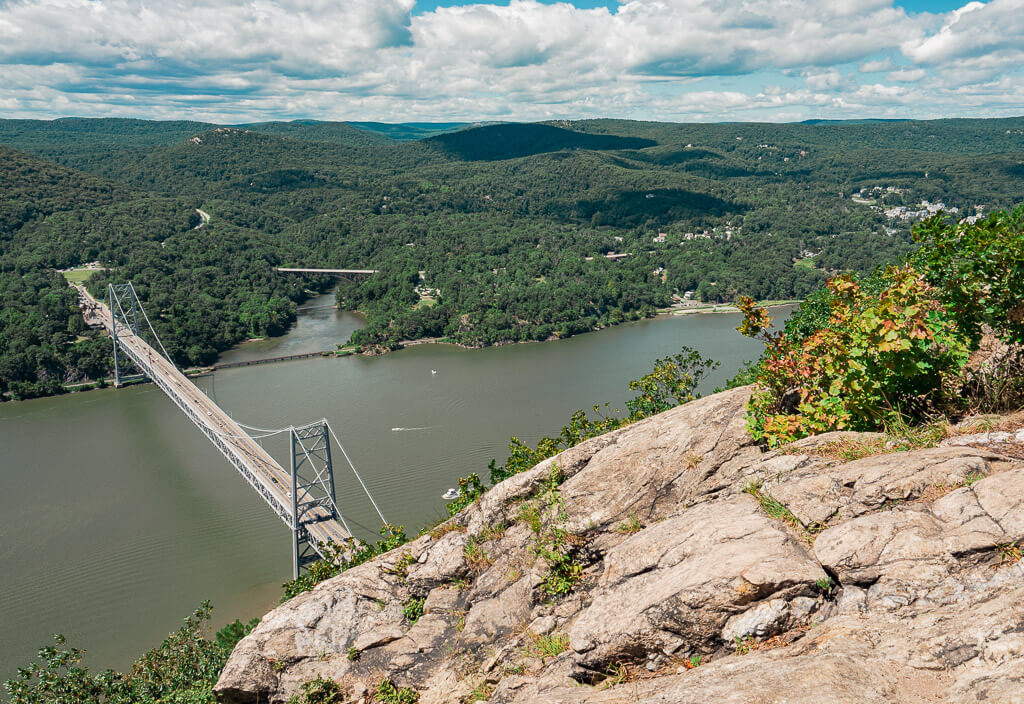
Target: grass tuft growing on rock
<point>630,526</point>
<point>900,436</point>
<point>778,511</point>
<point>481,693</point>
<point>772,507</point>
<point>476,557</point>
<point>447,526</point>
<point>546,646</point>
<point>743,646</point>
<point>494,532</point>
<point>401,568</point>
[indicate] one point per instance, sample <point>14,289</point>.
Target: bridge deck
<point>262,472</point>
<point>325,271</point>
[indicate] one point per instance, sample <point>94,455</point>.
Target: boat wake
<point>405,430</point>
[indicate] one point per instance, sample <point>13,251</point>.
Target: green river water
<point>117,517</point>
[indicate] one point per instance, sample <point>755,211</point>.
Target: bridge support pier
<point>312,485</point>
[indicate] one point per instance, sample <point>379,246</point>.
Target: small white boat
<point>452,493</point>
<point>433,371</point>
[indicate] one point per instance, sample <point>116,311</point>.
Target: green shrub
<point>671,383</point>
<point>558,547</point>
<point>228,637</point>
<point>182,670</point>
<point>412,609</point>
<point>881,356</point>
<point>891,349</point>
<point>388,693</point>
<point>565,571</point>
<point>469,489</point>
<point>978,271</point>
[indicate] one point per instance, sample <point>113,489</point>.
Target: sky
<point>233,61</point>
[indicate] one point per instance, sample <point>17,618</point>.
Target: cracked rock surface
<point>892,578</point>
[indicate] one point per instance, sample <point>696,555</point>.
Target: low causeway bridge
<point>303,496</point>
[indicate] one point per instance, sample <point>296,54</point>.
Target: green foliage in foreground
<point>893,348</point>
<point>978,272</point>
<point>182,670</point>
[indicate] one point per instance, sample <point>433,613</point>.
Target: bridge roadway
<point>254,463</point>
<point>289,270</point>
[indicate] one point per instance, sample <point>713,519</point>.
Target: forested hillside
<point>483,235</point>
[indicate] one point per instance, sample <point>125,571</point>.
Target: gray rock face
<point>676,583</point>
<point>867,485</point>
<point>890,579</point>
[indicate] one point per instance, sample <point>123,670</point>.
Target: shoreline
<point>711,309</point>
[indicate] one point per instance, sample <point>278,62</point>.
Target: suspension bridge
<point>302,496</point>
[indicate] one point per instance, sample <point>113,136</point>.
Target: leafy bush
<point>978,270</point>
<point>412,609</point>
<point>880,356</point>
<point>469,489</point>
<point>182,670</point>
<point>228,637</point>
<point>893,348</point>
<point>671,383</point>
<point>553,543</point>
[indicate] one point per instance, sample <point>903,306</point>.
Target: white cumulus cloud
<point>235,60</point>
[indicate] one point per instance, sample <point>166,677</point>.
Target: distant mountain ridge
<point>513,140</point>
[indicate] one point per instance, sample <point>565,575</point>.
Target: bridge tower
<point>312,486</point>
<point>124,302</point>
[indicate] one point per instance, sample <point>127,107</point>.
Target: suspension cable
<point>355,472</point>
<point>144,315</point>
<point>269,431</point>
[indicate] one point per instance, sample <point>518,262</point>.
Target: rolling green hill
<point>508,223</point>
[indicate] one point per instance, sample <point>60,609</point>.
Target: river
<point>117,517</point>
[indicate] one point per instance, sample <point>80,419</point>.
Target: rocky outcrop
<point>675,560</point>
